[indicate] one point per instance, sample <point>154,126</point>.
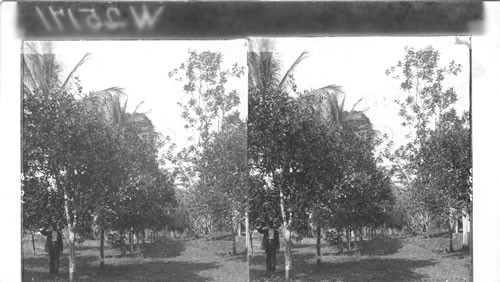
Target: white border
<point>486,146</point>
<point>10,149</point>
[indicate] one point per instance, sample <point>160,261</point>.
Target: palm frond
<point>355,104</point>
<point>40,68</point>
<point>327,98</point>
<point>75,68</point>
<point>120,112</point>
<point>342,105</point>
<point>286,78</point>
<point>29,81</point>
<point>109,102</point>
<point>137,107</point>
<point>264,65</point>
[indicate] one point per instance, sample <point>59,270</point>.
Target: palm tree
<point>42,78</point>
<point>42,72</point>
<point>266,69</point>
<point>266,74</point>
<point>111,104</point>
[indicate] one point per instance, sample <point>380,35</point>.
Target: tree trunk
<point>247,234</point>
<point>340,248</point>
<point>122,243</point>
<point>71,237</point>
<point>471,241</point>
<point>318,245</point>
<point>465,231</point>
<point>130,240</point>
<point>451,234</point>
<point>288,252</point>
<point>33,242</point>
<point>235,233</point>
<point>287,233</point>
<point>136,243</point>
<point>349,239</point>
<point>101,248</point>
<point>248,242</point>
<point>72,263</point>
<point>143,238</point>
<point>251,241</point>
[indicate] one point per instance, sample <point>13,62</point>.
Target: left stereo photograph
<point>134,160</point>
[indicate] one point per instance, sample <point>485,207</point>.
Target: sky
<point>141,68</point>
<point>358,64</point>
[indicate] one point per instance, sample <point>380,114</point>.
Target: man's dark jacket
<point>265,238</point>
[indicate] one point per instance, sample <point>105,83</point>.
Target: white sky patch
<point>358,64</point>
<point>141,68</point>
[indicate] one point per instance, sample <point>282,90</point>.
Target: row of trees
<point>434,167</point>
<point>311,160</point>
<point>212,165</point>
<point>87,162</point>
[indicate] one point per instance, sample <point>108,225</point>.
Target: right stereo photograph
<point>360,158</point>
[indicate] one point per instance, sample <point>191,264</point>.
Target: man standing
<point>54,245</point>
<point>270,243</point>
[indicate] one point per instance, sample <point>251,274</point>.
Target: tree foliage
<point>309,157</point>
<point>435,161</point>
<point>212,165</point>
<point>86,161</point>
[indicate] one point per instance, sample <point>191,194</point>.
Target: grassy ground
<point>166,260</point>
<point>384,259</point>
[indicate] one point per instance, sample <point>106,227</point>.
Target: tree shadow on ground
<point>303,245</point>
<point>86,248</point>
<point>37,268</point>
<point>239,257</point>
<point>461,254</point>
<point>381,246</point>
<point>364,269</point>
<point>259,259</point>
<point>167,249</point>
<point>88,269</point>
<point>155,271</point>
